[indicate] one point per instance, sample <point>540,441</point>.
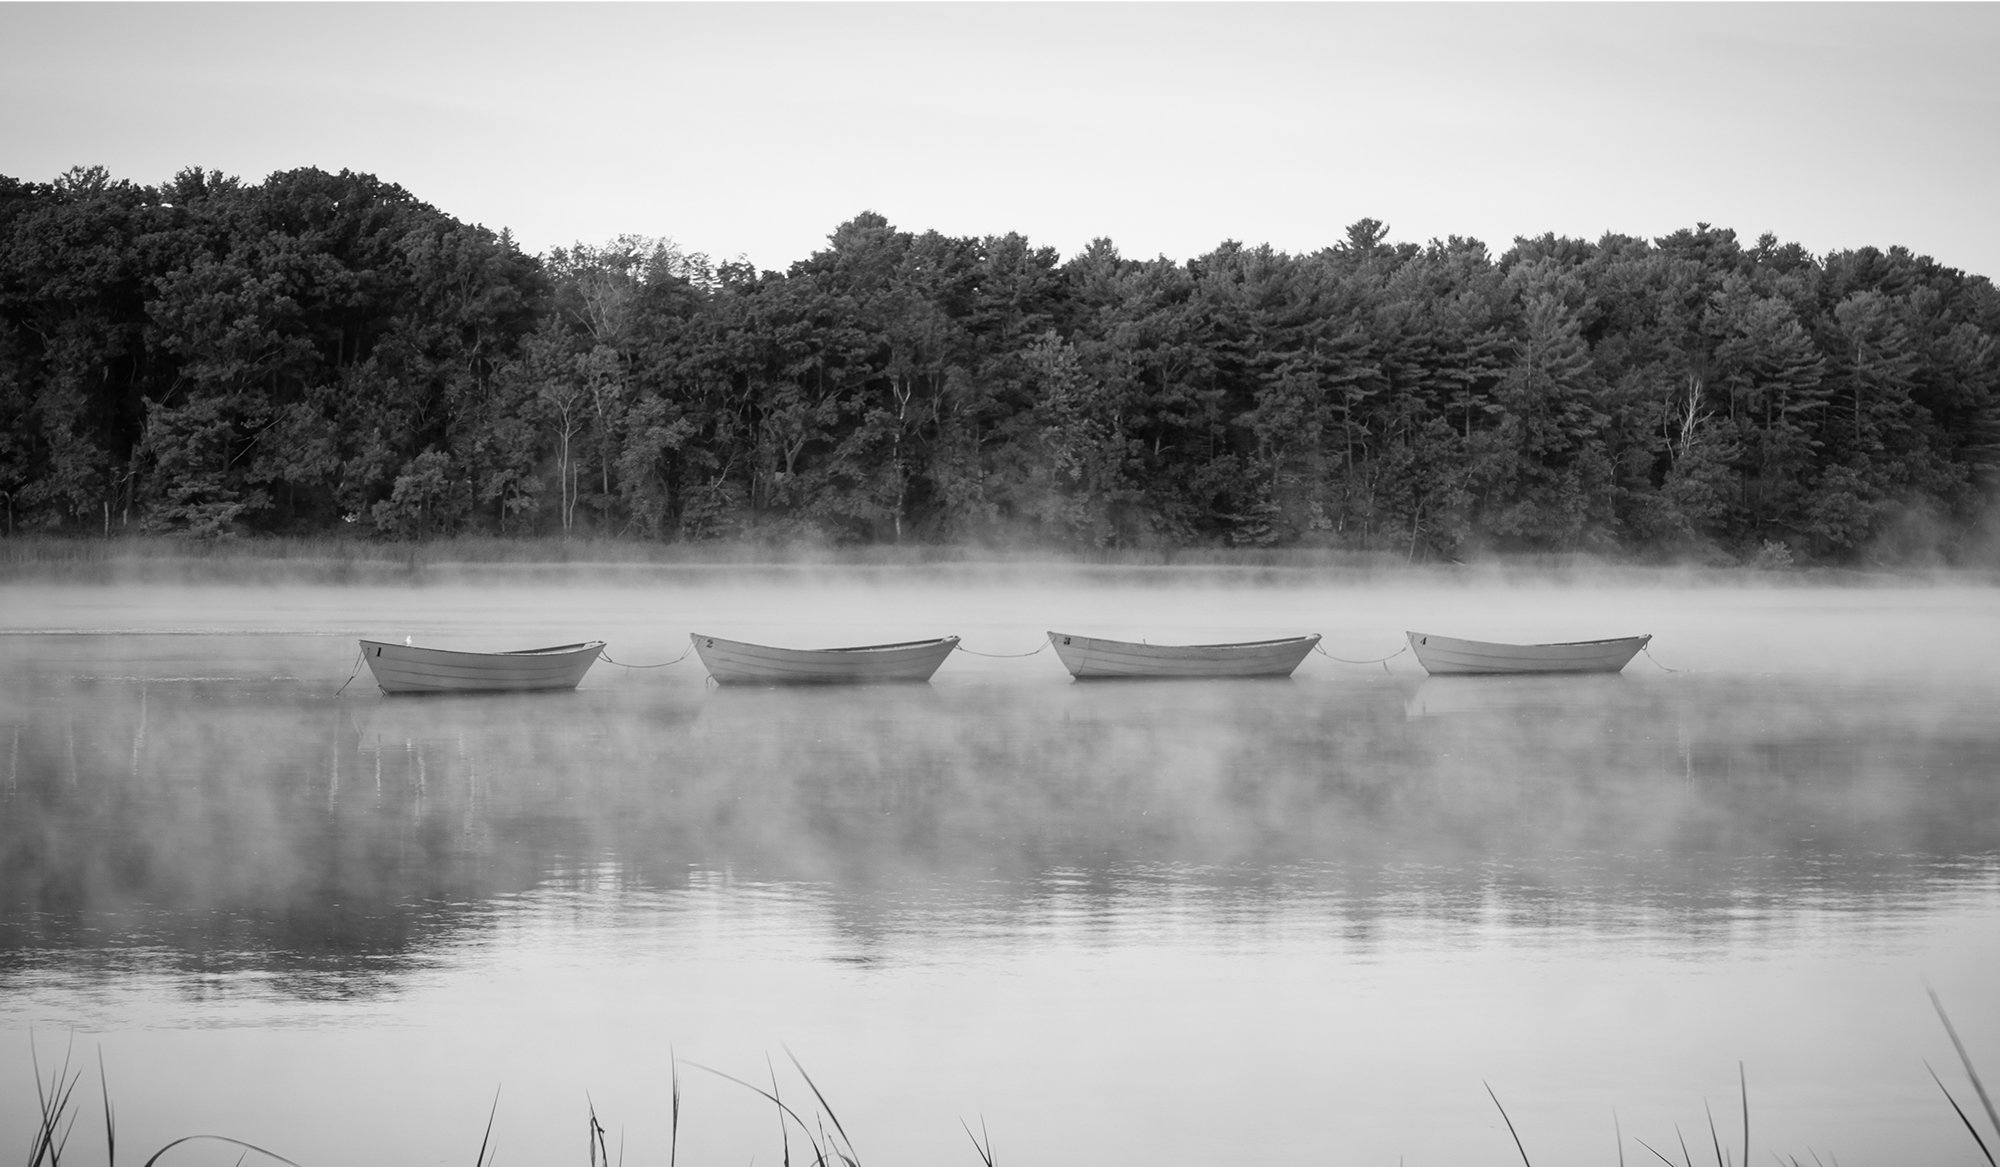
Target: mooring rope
<point>1001,655</point>
<point>663,664</point>
<point>360,658</point>
<point>1380,660</point>
<point>1655,660</point>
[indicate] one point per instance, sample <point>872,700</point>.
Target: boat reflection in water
<point>1517,695</point>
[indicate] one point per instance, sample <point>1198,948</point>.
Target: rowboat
<point>1089,657</point>
<point>406,668</point>
<point>736,662</point>
<point>1450,655</point>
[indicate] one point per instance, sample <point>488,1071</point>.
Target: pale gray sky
<point>755,129</point>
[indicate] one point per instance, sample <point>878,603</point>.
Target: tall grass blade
<point>674,1123</point>
<point>1618,1133</point>
<point>824,1105</point>
<point>827,1141</point>
<point>986,1150</point>
<point>1962,1117</point>
<point>41,1148</point>
<point>595,1135</point>
<point>58,1121</point>
<point>1687,1157</point>
<point>486,1139</point>
<point>1510,1124</point>
<point>1743,1085</point>
<point>1656,1154</point>
<point>69,1126</point>
<point>818,1149</point>
<point>110,1120</point>
<point>779,1102</point>
<point>784,1136</point>
<point>248,1147</point>
<point>785,1111</point>
<point>1714,1135</point>
<point>1965,1060</point>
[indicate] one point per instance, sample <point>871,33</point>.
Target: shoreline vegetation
<point>324,353</point>
<point>277,560</point>
<point>824,1142</point>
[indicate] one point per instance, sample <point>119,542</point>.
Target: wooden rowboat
<point>1089,657</point>
<point>406,668</point>
<point>735,662</point>
<point>1449,655</point>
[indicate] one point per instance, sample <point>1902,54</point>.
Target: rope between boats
<point>663,664</point>
<point>1000,655</point>
<point>359,660</point>
<point>1380,660</point>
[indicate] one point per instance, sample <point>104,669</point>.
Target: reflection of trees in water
<point>219,823</point>
<point>238,825</point>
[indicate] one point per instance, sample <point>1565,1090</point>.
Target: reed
<point>1978,1086</point>
<point>1725,1157</point>
<point>981,1142</point>
<point>1510,1124</point>
<point>486,1139</point>
<point>52,1103</point>
<point>829,1148</point>
<point>674,1121</point>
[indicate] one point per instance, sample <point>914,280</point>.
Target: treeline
<point>325,352</point>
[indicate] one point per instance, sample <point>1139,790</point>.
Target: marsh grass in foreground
<point>1726,1157</point>
<point>825,1143</point>
<point>57,1121</point>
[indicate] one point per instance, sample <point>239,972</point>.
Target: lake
<point>1091,923</point>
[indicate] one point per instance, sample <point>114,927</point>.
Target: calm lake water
<point>1178,923</point>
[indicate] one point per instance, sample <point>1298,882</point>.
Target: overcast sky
<point>755,129</point>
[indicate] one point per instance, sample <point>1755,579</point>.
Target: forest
<point>325,354</point>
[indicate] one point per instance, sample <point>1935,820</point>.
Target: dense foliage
<point>326,352</point>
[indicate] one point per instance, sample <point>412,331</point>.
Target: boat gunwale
<point>1310,636</point>
<point>697,638</point>
<point>1642,638</point>
<point>551,651</point>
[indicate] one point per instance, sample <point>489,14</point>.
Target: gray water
<point>1164,923</point>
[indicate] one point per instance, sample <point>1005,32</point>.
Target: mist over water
<point>1172,922</point>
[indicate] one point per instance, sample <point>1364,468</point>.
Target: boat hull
<point>1451,656</point>
<point>405,668</point>
<point>1095,658</point>
<point>736,662</point>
